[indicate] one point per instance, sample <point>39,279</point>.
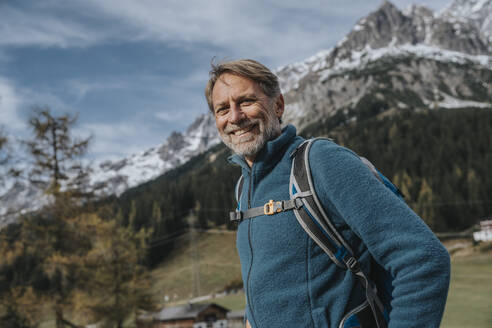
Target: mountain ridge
<point>403,59</point>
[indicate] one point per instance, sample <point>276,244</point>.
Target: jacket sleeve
<point>396,237</point>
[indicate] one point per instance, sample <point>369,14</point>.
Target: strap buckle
<point>353,264</point>
<point>272,207</point>
<point>236,216</point>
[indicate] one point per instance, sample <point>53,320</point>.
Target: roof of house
<point>236,314</point>
<point>188,311</point>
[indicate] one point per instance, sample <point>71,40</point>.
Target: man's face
<point>245,117</point>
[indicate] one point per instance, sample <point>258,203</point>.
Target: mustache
<point>240,126</point>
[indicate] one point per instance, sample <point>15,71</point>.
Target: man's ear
<point>279,106</point>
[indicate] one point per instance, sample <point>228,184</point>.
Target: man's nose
<point>236,114</point>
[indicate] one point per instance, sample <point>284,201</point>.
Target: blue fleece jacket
<point>289,280</point>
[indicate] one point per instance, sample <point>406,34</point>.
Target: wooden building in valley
<point>485,233</point>
<point>192,315</point>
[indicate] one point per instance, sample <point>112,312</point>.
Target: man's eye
<point>221,110</point>
<point>247,102</point>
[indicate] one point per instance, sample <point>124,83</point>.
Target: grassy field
<point>217,266</point>
<point>470,294</point>
<point>469,301</point>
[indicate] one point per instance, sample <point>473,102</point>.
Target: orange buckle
<point>272,207</point>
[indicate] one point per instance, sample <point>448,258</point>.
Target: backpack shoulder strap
<point>318,225</point>
<point>311,216</point>
<point>238,192</point>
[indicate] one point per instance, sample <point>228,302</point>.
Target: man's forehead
<point>226,78</point>
<point>235,80</point>
<point>222,79</point>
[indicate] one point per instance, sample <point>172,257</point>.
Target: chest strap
<point>270,208</point>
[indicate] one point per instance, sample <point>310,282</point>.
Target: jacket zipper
<point>251,249</point>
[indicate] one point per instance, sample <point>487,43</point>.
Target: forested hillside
<point>440,159</point>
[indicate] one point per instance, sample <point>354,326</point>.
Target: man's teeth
<point>239,132</point>
<point>242,131</point>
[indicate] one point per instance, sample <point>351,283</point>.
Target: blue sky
<point>134,71</point>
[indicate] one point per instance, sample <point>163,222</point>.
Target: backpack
<point>315,221</point>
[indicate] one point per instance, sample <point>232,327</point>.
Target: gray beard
<point>269,129</point>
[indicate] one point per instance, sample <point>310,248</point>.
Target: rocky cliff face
<point>390,60</point>
<point>476,13</point>
<point>393,59</point>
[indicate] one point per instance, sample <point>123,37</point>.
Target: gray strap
<point>239,188</point>
<point>270,208</point>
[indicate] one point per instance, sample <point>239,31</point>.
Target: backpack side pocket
<point>360,317</point>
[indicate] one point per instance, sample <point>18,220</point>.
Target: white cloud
<point>21,28</point>
<point>274,31</point>
<point>177,116</point>
<point>10,103</point>
<point>167,116</point>
<point>278,31</point>
<point>17,102</point>
<point>115,140</point>
<point>80,88</point>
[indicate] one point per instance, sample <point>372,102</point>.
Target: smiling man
<point>288,279</point>
<point>246,116</point>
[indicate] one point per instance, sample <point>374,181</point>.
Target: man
<point>289,281</point>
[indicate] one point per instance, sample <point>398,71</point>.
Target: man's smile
<point>243,131</point>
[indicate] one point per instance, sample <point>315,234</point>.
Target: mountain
<point>390,60</point>
<point>118,176</point>
<point>394,60</point>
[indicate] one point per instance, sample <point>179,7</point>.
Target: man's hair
<point>248,68</point>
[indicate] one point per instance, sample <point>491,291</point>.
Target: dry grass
<point>218,265</point>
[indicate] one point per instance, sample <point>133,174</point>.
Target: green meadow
<point>470,293</point>
<point>469,300</point>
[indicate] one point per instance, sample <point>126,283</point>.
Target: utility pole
<point>195,260</point>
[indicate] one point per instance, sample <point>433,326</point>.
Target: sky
<point>135,71</point>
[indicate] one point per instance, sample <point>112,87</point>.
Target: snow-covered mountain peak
<point>467,9</point>
<point>418,10</point>
<point>389,27</point>
<point>477,13</point>
<point>117,176</point>
<point>290,75</point>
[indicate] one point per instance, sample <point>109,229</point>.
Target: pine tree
<point>56,152</point>
<point>425,204</point>
<point>19,259</point>
<point>157,219</point>
<point>57,169</point>
<point>118,283</point>
<point>132,216</point>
